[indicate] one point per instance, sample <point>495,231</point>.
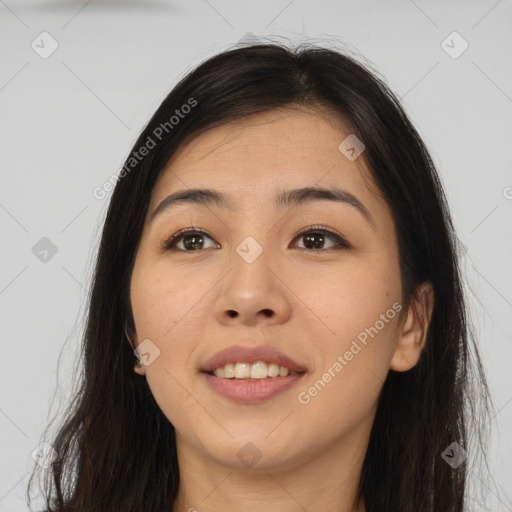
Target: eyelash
<point>169,243</point>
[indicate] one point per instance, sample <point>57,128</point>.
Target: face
<point>311,285</point>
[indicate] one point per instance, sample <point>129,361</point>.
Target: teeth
<point>259,370</point>
<point>273,370</point>
<point>229,371</point>
<point>242,370</point>
<point>283,372</point>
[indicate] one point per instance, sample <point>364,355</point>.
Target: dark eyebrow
<point>202,196</point>
<point>300,196</point>
<point>294,197</point>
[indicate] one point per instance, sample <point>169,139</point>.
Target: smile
<point>255,371</point>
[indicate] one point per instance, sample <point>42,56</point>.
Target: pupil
<point>190,239</point>
<point>319,240</point>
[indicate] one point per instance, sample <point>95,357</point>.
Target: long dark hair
<point>116,450</point>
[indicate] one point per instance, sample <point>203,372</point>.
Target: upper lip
<point>251,355</point>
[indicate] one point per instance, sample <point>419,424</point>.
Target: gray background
<point>68,121</point>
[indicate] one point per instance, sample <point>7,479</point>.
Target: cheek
<point>168,309</point>
<point>163,300</point>
<point>343,391</point>
<point>360,306</point>
<point>351,298</point>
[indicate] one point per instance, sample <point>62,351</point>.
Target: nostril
<point>232,313</point>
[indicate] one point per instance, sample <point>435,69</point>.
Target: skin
<point>320,300</point>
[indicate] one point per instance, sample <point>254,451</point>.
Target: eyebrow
<point>294,197</point>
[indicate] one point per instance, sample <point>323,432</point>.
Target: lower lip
<point>251,391</point>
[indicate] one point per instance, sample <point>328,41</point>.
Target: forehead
<point>254,158</point>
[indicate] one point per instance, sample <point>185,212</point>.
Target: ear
<point>141,370</point>
<point>134,341</point>
<point>413,333</point>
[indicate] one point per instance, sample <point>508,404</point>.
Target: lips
<point>251,355</point>
<point>250,392</point>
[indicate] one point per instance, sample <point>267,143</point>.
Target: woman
<point>276,320</point>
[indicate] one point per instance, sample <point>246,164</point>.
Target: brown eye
<point>191,240</point>
<point>316,238</point>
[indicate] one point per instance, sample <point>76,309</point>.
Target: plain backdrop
<point>69,118</point>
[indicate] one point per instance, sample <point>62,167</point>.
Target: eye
<point>316,236</point>
<point>192,238</point>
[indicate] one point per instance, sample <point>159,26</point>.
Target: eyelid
<point>342,243</point>
<point>330,232</point>
<point>171,240</point>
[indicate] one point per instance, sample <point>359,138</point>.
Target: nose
<point>253,294</point>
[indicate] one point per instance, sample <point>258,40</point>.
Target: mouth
<point>251,375</point>
<point>250,391</point>
<point>252,372</point>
